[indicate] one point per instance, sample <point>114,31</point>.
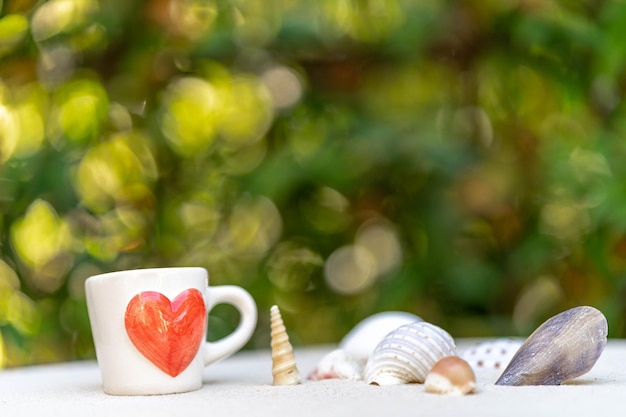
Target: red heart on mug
<point>167,333</point>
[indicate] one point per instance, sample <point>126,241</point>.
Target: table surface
<point>241,386</point>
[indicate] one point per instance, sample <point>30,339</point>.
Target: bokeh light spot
<point>365,21</point>
<point>3,358</point>
<point>588,165</point>
<point>244,160</point>
<point>22,314</point>
<point>40,235</point>
<point>257,22</point>
<point>9,284</point>
<point>58,16</point>
<point>245,110</point>
<point>8,277</point>
<point>120,117</point>
<point>81,108</point>
<point>307,135</point>
<point>564,221</point>
<point>119,170</point>
<point>380,238</point>
<point>284,85</point>
<point>535,300</point>
<point>9,132</point>
<point>13,27</point>
<point>292,266</point>
<point>350,270</point>
<point>21,121</point>
<point>190,117</point>
<point>254,226</point>
<point>196,111</point>
<point>201,218</point>
<point>31,130</point>
<point>93,37</point>
<point>120,230</point>
<point>55,65</point>
<point>193,18</point>
<point>473,122</point>
<point>327,210</point>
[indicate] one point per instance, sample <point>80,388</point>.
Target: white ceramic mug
<point>149,328</point>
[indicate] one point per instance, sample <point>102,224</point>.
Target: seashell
<point>565,346</point>
<point>284,369</point>
<point>451,375</point>
<point>407,354</point>
<point>365,336</point>
<point>338,364</point>
<point>491,355</point>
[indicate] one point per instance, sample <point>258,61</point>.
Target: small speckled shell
<point>490,355</point>
<point>565,346</point>
<point>407,354</point>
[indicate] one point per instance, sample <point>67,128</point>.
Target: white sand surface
<point>241,386</point>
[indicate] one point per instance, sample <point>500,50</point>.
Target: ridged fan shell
<point>407,354</point>
<point>367,334</point>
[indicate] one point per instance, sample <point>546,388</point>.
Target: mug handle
<point>242,301</point>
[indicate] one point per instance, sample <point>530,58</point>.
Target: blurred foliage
<point>462,160</point>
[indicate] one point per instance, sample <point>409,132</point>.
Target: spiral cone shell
<point>407,354</point>
<point>284,369</point>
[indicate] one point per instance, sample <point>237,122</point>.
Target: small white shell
<point>407,354</point>
<point>490,355</point>
<point>367,334</point>
<point>451,375</point>
<point>338,364</point>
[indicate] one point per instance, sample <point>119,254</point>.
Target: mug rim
<point>123,272</point>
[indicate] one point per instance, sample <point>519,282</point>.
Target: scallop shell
<point>407,354</point>
<point>367,334</point>
<point>451,375</point>
<point>565,346</point>
<point>338,364</point>
<point>284,369</point>
<point>490,355</point>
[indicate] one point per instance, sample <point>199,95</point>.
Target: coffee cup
<point>149,328</point>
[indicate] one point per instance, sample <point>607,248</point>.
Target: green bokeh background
<point>461,160</point>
